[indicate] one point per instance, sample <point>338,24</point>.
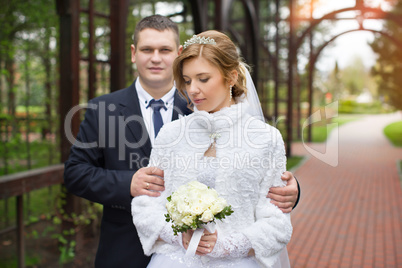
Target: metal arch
<point>222,22</point>
<point>199,10</point>
<point>223,9</point>
<point>252,24</point>
<point>317,54</point>
<point>386,15</point>
<point>313,61</point>
<point>294,46</point>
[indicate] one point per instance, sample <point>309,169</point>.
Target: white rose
<point>183,208</point>
<point>218,206</point>
<point>197,185</point>
<point>209,197</point>
<point>176,217</point>
<point>196,209</point>
<point>181,189</point>
<point>203,202</point>
<point>188,220</point>
<point>207,216</point>
<point>178,197</point>
<point>169,207</point>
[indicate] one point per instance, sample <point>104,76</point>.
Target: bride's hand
<point>186,237</point>
<point>207,242</point>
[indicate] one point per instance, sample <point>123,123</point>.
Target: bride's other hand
<point>285,198</point>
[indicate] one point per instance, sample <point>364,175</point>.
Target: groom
<point>107,163</point>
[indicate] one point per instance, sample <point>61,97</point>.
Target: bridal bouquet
<point>194,205</point>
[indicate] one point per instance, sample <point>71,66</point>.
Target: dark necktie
<point>156,117</point>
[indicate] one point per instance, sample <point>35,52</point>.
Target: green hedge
<point>394,133</point>
<point>353,107</point>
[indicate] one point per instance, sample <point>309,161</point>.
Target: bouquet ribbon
<point>195,239</point>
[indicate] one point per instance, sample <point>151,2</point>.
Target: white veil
<point>252,96</point>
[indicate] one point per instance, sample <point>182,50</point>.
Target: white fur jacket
<point>250,158</point>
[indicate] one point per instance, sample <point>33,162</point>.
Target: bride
<point>226,145</point>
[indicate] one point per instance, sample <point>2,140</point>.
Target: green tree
<point>389,63</point>
<point>22,24</point>
<point>334,83</point>
<point>22,79</point>
<point>356,78</point>
<point>352,80</point>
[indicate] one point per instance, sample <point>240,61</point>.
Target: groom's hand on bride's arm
<point>285,198</point>
<point>146,182</point>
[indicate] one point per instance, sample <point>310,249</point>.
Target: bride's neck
<point>230,104</point>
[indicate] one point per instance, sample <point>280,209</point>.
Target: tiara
<point>199,40</point>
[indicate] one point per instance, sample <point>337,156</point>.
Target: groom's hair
<point>159,23</point>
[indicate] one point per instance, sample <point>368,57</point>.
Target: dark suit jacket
<point>112,144</point>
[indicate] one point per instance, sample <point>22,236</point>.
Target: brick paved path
<point>350,215</point>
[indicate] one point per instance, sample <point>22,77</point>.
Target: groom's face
<point>154,56</point>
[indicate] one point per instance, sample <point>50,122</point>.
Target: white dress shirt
<point>144,99</point>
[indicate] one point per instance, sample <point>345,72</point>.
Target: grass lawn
<point>320,133</point>
<point>32,109</point>
<point>293,161</point>
<point>394,133</point>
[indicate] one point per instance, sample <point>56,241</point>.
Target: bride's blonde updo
<point>223,55</point>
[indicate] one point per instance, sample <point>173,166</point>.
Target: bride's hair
<point>224,55</point>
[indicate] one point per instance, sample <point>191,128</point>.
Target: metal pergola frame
<point>69,12</point>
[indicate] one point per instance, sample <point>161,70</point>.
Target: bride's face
<point>205,85</point>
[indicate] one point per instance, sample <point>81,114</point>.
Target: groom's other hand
<point>147,181</point>
<point>285,198</point>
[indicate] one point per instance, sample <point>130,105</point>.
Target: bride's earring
<point>230,92</point>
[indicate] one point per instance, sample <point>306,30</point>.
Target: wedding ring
<point>147,187</point>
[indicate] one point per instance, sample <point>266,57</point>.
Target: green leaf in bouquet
<point>227,211</point>
<point>180,229</point>
<point>168,218</point>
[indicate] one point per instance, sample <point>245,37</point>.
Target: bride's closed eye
<point>204,80</point>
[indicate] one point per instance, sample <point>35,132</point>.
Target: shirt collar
<point>144,97</point>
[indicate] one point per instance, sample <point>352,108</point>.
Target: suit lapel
<point>132,114</point>
<point>180,106</point>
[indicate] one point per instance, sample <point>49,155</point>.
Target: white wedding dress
<point>250,158</point>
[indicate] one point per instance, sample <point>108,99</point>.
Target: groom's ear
<point>133,51</point>
<point>180,50</point>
